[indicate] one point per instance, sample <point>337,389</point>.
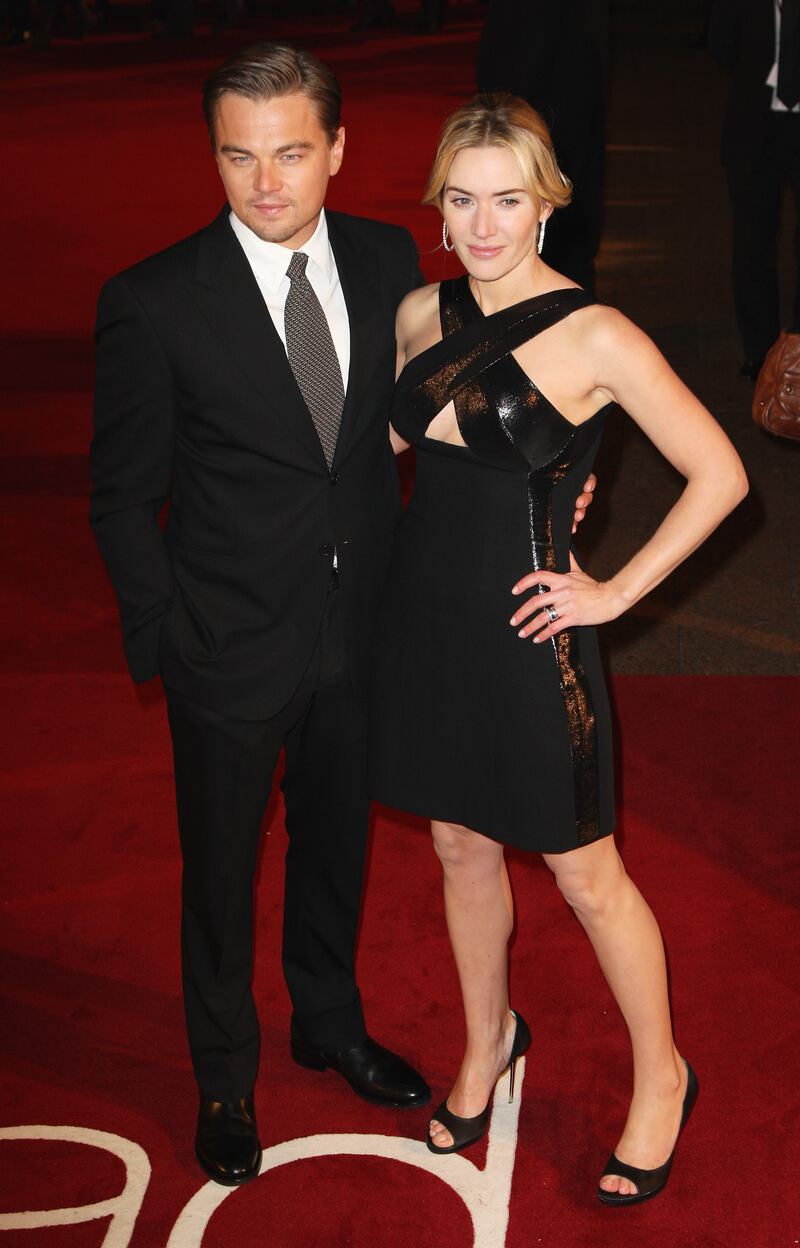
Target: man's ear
<point>337,151</point>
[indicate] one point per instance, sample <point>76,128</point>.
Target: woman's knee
<point>457,847</point>
<point>590,883</point>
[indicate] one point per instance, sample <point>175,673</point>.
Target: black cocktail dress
<point>470,723</point>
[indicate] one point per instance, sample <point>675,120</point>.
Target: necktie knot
<point>297,265</point>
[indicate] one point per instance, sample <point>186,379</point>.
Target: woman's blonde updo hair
<point>497,119</point>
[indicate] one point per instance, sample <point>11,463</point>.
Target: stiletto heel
<point>649,1182</point>
<point>467,1131</point>
<point>512,1071</point>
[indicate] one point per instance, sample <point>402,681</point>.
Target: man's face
<point>275,161</point>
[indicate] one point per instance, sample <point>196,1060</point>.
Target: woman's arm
<point>405,323</point>
<point>631,370</point>
<point>398,444</point>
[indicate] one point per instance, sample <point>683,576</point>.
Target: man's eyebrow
<point>279,151</point>
<point>291,147</point>
<point>517,190</point>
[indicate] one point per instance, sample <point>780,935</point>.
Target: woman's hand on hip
<point>567,600</point>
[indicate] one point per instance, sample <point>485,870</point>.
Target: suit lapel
<point>358,275</point>
<point>230,299</point>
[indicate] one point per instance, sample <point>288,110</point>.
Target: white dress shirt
<point>269,262</point>
<point>778,105</point>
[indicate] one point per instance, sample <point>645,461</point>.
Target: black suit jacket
<point>196,404</point>
<point>741,36</point>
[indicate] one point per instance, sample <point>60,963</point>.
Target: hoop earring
<point>452,246</point>
<point>540,243</point>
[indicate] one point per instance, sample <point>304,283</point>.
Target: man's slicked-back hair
<point>266,70</point>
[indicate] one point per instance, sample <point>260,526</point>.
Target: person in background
<point>555,57</point>
<point>758,42</point>
<point>20,20</point>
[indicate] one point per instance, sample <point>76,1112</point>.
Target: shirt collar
<point>269,261</point>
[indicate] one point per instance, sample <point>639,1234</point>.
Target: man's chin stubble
<point>280,232</point>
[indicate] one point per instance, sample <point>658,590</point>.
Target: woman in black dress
<point>490,714</point>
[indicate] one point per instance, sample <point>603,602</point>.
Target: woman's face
<point>493,221</point>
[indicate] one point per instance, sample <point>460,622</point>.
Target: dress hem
<point>512,843</point>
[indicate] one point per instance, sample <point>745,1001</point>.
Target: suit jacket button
<point>334,478</point>
<point>326,550</point>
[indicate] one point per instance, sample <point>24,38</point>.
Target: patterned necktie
<point>312,355</point>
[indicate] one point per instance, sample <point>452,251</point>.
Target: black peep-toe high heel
<point>648,1182</point>
<point>467,1131</point>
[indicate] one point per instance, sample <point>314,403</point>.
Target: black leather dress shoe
<point>372,1071</point>
<point>226,1143</point>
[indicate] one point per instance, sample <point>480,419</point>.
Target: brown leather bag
<point>776,402</point>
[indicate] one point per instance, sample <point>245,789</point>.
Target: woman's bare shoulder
<point>606,328</point>
<point>616,351</point>
<point>416,310</point>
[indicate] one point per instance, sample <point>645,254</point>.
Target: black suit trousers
<point>756,180</point>
<point>223,777</point>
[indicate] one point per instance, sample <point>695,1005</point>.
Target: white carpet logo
<point>486,1193</point>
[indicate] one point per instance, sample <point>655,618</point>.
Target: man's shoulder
<point>176,262</point>
<point>369,232</point>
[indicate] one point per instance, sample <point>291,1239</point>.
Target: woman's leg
<point>479,914</point>
<point>627,941</point>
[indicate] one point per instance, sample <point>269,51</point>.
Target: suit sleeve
<point>131,460</point>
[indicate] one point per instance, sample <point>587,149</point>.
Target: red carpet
<point>95,1036</point>
<point>109,155</point>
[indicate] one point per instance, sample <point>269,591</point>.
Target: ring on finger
<point>551,614</point>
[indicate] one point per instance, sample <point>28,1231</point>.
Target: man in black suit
<point>255,398</point>
<point>758,41</point>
